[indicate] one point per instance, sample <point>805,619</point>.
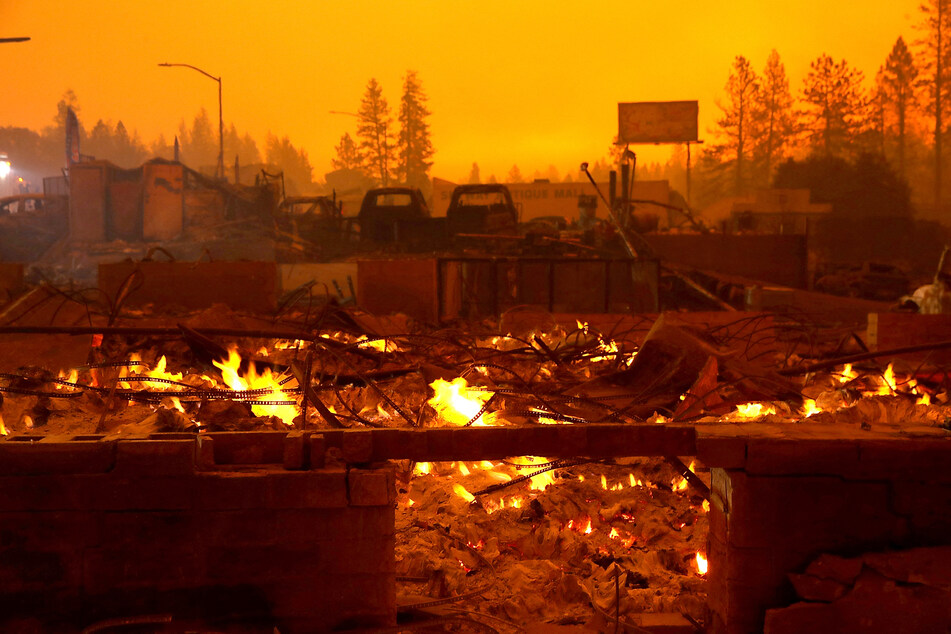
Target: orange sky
<point>523,82</point>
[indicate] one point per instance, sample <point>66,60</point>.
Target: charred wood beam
<point>864,356</point>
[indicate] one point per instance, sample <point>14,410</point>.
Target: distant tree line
<point>43,153</point>
<point>899,117</point>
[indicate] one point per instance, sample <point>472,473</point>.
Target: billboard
<point>657,122</point>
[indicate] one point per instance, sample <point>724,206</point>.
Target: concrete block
<point>115,493</point>
<point>324,488</point>
<point>154,457</point>
<point>317,447</point>
<point>372,488</point>
<point>801,456</point>
<point>231,490</point>
<point>56,454</point>
<point>42,493</point>
<point>248,448</point>
<point>726,453</point>
<point>357,446</point>
<point>295,456</point>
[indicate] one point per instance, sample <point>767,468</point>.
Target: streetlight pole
<point>220,168</point>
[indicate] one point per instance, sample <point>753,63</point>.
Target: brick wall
<point>100,529</point>
<point>794,500</point>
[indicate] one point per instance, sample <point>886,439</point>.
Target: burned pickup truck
<point>482,210</point>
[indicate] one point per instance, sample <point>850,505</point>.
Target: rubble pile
<point>517,541</point>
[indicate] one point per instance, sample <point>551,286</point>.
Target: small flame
<point>888,378</point>
<point>587,529</point>
<point>705,506</point>
<point>754,410</point>
<point>847,374</point>
<point>604,482</point>
<point>177,404</point>
<point>809,407</point>
<point>461,492</point>
<point>614,534</point>
<point>457,403</point>
<point>580,478</point>
<point>3,428</point>
<point>701,561</point>
<point>924,399</point>
<point>422,468</point>
<point>463,469</point>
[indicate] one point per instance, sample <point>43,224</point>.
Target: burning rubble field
<point>498,544</point>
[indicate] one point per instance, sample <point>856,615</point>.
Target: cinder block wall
<point>100,529</point>
<point>796,499</point>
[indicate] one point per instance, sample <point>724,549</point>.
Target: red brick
<point>154,457</point>
<point>324,488</point>
<point>56,455</point>
<point>248,447</point>
<point>372,488</point>
<point>773,456</point>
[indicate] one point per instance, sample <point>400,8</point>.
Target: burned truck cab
<point>483,210</point>
<point>383,209</point>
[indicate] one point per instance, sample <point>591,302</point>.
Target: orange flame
<point>457,404</point>
<point>253,381</point>
<point>701,561</point>
<point>461,492</point>
<point>3,428</point>
<point>754,410</point>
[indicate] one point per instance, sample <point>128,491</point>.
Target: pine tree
<point>514,175</point>
<point>735,127</point>
<point>775,119</point>
<point>833,90</point>
<point>199,145</point>
<point>474,176</point>
<point>294,163</point>
<point>348,157</point>
<point>413,144</point>
<point>374,133</point>
<point>935,49</point>
<point>898,82</point>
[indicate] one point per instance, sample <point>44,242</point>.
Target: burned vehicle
<point>383,210</point>
<point>482,210</point>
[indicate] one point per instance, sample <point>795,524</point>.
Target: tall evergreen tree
<point>375,138</point>
<point>199,145</point>
<point>936,47</point>
<point>415,148</point>
<point>833,91</point>
<point>898,82</point>
<point>348,157</point>
<point>474,177</point>
<point>735,127</point>
<point>775,119</point>
<point>295,164</point>
<point>514,175</point>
